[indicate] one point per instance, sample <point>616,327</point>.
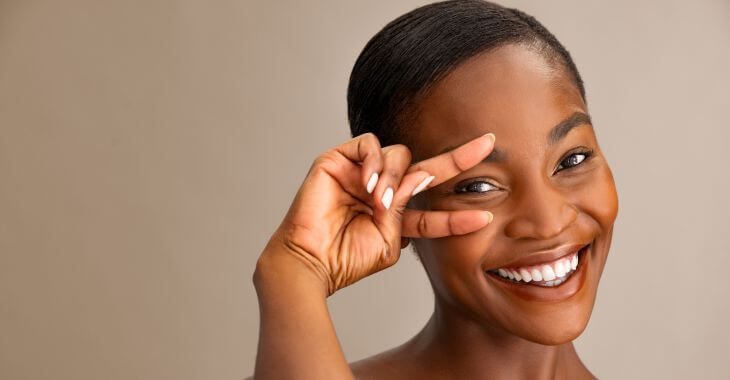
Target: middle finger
<point>396,159</point>
<point>451,163</point>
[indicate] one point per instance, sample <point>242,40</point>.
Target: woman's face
<point>547,183</point>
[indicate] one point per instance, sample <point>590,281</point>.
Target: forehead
<point>512,91</point>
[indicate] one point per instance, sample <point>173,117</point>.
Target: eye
<point>573,160</point>
<point>476,187</point>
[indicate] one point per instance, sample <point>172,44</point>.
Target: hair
<point>410,54</point>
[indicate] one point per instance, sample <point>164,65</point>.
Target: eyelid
<point>470,181</point>
<point>588,152</point>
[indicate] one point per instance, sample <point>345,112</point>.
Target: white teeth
<point>535,274</point>
<point>559,269</point>
<point>551,274</point>
<point>547,273</point>
<point>554,283</point>
<point>525,275</point>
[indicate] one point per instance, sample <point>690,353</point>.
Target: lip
<point>567,289</point>
<point>543,256</point>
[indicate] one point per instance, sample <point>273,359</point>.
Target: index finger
<point>449,164</point>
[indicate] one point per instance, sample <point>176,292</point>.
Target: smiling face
<point>547,183</point>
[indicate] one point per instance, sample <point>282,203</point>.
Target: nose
<point>543,212</point>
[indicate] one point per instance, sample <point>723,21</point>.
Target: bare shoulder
<point>383,366</point>
<point>391,364</point>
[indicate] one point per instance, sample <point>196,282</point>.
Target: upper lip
<point>544,256</point>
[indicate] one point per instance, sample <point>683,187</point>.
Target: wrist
<point>280,269</point>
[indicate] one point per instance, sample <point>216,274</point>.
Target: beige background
<point>149,148</point>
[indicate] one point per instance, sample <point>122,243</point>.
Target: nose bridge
<point>543,212</point>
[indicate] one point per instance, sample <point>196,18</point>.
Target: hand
<point>348,217</point>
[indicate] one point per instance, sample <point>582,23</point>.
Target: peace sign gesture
<point>348,217</point>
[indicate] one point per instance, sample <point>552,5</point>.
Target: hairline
<point>408,113</point>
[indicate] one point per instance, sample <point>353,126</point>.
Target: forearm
<point>296,337</point>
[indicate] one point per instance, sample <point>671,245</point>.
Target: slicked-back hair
<point>411,53</point>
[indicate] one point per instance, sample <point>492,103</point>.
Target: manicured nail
<point>422,185</point>
<point>387,198</point>
<point>490,217</point>
<point>372,182</point>
<point>492,136</point>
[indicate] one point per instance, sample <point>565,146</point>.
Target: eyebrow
<point>561,130</point>
<point>558,132</point>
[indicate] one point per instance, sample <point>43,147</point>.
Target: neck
<point>455,345</point>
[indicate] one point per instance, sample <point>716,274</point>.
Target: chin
<point>557,333</point>
<point>548,316</point>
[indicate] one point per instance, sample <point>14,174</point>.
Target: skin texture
<point>477,326</point>
<point>336,233</point>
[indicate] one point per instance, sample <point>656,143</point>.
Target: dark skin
<point>547,185</point>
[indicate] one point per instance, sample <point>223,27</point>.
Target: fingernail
<point>490,217</point>
<point>372,182</point>
<point>492,136</point>
<point>422,185</point>
<point>387,198</point>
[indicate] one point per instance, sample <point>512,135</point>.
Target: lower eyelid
<point>463,187</point>
<point>586,161</point>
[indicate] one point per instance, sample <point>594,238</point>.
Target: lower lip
<point>561,292</point>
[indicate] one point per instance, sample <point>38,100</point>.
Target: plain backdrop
<point>149,148</point>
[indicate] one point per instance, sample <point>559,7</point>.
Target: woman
<point>473,142</point>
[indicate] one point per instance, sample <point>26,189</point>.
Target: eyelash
<point>587,153</point>
<point>465,188</point>
<point>562,165</point>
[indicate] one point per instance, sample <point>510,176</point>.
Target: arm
<point>344,224</point>
<point>296,338</point>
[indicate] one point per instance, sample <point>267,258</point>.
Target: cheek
<point>454,263</point>
<point>599,199</point>
<point>453,254</point>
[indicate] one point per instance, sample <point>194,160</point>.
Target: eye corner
<point>586,152</point>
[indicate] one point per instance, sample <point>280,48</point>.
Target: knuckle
<point>390,255</point>
<point>422,225</point>
<point>392,173</point>
<point>460,166</point>
<point>454,161</point>
<point>415,167</point>
<point>450,225</point>
<point>326,160</point>
<point>400,151</point>
<point>404,150</point>
<point>370,139</point>
<point>322,159</point>
<point>399,209</point>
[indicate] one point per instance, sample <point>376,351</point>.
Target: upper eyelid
<point>578,149</point>
<point>470,181</point>
<point>582,150</point>
<point>589,152</point>
<point>586,151</point>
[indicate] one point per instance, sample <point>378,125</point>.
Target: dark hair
<point>411,53</point>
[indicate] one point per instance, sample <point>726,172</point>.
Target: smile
<point>546,274</point>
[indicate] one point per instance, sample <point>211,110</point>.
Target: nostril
<point>542,222</point>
